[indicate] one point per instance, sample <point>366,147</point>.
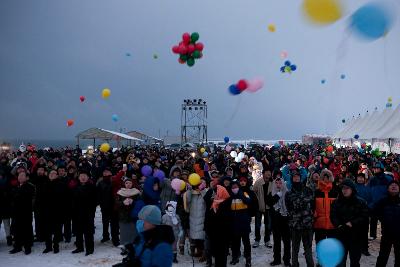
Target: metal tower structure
<point>194,121</point>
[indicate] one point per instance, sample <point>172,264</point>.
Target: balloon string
<point>234,113</point>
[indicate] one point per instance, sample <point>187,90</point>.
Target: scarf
<point>280,205</point>
<point>125,192</point>
<point>221,196</point>
<point>172,213</point>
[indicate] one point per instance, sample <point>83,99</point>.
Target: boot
<point>15,250</point>
<point>88,252</point>
<point>248,262</point>
<point>182,249</point>
<point>47,250</point>
<point>56,248</point>
<point>192,250</point>
<point>175,258</point>
<point>275,263</point>
<point>77,250</point>
<point>234,261</point>
<point>105,239</point>
<point>9,240</point>
<point>28,250</point>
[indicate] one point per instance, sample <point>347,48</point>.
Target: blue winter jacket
<point>364,192</point>
<point>287,176</point>
<point>157,253</point>
<point>378,188</point>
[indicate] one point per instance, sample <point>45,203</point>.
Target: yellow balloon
<point>390,99</point>
<point>104,147</point>
<point>194,179</point>
<point>106,93</point>
<point>322,11</point>
<point>183,185</point>
<point>271,28</point>
<point>202,150</point>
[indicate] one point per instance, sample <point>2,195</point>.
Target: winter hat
<point>150,214</point>
<point>378,165</point>
<point>126,179</point>
<point>243,178</point>
<point>328,173</point>
<point>348,182</point>
<point>235,181</point>
<point>393,182</point>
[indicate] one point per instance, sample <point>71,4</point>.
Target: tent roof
<point>98,133</point>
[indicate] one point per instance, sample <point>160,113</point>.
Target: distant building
<point>313,139</point>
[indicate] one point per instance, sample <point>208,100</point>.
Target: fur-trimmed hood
<point>328,173</point>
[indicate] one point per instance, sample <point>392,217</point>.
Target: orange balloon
<point>70,123</point>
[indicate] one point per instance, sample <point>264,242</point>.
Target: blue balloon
<point>283,69</point>
<point>356,136</point>
<point>293,67</point>
<point>234,90</point>
<point>205,154</point>
<point>371,21</point>
<point>323,81</point>
<point>115,117</point>
<point>287,63</point>
<point>277,145</point>
<point>226,139</point>
<point>342,76</point>
<point>330,252</point>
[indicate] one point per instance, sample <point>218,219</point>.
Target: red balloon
<point>186,38</point>
<point>175,49</point>
<point>182,49</point>
<point>82,98</point>
<point>190,48</point>
<point>199,46</point>
<point>242,85</point>
<point>181,61</point>
<point>329,148</point>
<point>70,123</point>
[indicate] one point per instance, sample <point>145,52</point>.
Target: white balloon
<point>22,148</point>
<point>237,159</point>
<point>233,154</point>
<point>241,155</point>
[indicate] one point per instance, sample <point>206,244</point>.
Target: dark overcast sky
<point>51,52</point>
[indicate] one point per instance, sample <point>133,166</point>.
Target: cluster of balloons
<point>242,85</point>
<point>189,49</point>
<point>70,123</point>
<point>322,12</point>
<point>178,185</point>
<point>105,147</point>
<point>330,252</point>
<point>238,157</point>
<point>372,21</point>
<point>288,67</point>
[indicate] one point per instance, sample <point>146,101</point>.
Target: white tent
<point>380,122</point>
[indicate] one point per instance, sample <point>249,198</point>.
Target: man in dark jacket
<point>5,205</point>
<point>22,207</point>
<point>109,215</point>
<point>387,211</point>
<point>84,207</point>
<point>54,196</point>
<point>38,179</point>
<point>349,214</point>
<point>378,190</point>
<point>300,206</point>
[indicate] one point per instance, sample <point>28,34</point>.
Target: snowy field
<point>107,255</point>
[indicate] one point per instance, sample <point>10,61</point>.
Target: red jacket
<point>324,196</point>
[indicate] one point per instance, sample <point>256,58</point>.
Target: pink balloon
<point>255,85</point>
<point>176,185</point>
<point>228,148</point>
<point>284,54</point>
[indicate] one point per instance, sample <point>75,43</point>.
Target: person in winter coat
<point>387,210</point>
<point>300,206</point>
<point>5,205</point>
<point>38,179</point>
<point>349,214</point>
<point>240,217</point>
<point>106,200</point>
<point>71,181</point>
<point>378,188</point>
<point>262,187</point>
<point>279,222</point>
<point>363,191</point>
<point>22,207</point>
<point>217,223</point>
<point>194,204</point>
<point>172,219</point>
<point>126,198</point>
<point>324,196</point>
<point>154,244</point>
<point>84,207</point>
<point>287,170</point>
<point>54,195</point>
<point>167,193</point>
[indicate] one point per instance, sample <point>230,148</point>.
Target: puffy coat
<point>324,196</point>
<point>240,216</point>
<point>54,201</point>
<point>105,196</point>
<point>258,189</point>
<point>388,212</point>
<point>378,188</point>
<point>154,248</point>
<point>84,202</point>
<point>194,204</point>
<point>354,210</point>
<point>300,206</point>
<point>151,197</point>
<point>22,202</point>
<point>167,193</point>
<point>364,192</point>
<point>124,211</point>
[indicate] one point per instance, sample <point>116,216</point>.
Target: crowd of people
<point>299,193</point>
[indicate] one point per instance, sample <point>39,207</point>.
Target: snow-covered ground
<point>107,255</point>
